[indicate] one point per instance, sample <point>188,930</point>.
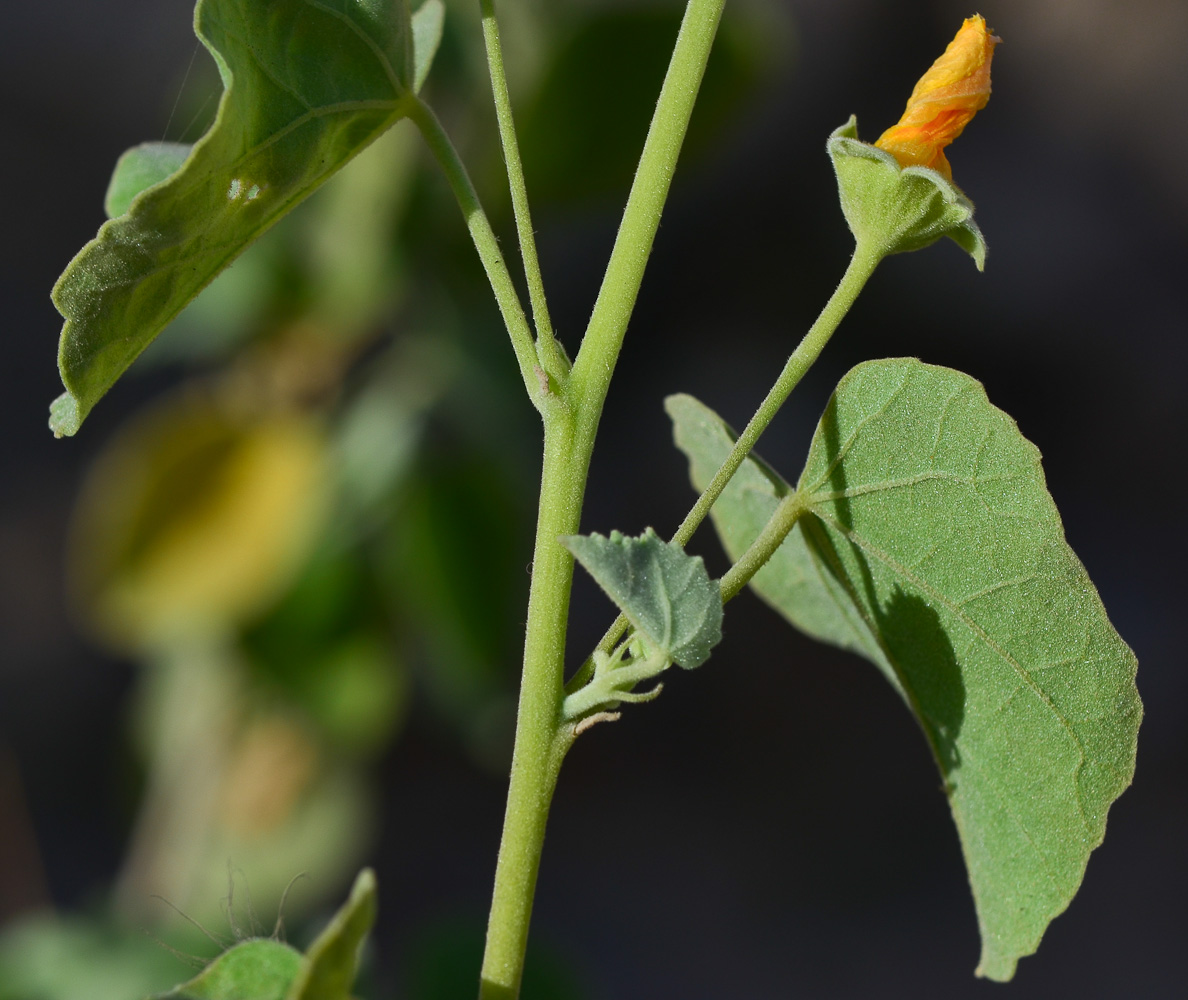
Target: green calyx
<point>896,209</point>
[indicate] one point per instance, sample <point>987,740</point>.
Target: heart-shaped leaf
<point>931,546</point>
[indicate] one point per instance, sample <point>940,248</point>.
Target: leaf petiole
<point>862,265</point>
<point>487,245</point>
<point>551,356</point>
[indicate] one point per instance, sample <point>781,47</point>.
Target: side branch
<point>487,245</point>
<point>551,356</point>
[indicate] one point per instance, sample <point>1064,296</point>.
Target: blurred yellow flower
<point>945,99</point>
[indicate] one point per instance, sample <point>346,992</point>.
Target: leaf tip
<point>65,416</point>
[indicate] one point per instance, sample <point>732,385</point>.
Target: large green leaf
<point>665,592</point>
<point>308,84</point>
<point>932,546</point>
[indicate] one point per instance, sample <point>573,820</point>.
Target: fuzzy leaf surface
<point>259,969</point>
<point>139,169</point>
<point>665,592</point>
<point>307,85</point>
<point>932,547</point>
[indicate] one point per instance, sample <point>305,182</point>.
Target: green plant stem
<point>487,246</point>
<point>783,520</point>
<point>595,363</point>
<point>540,740</point>
<point>542,736</point>
<point>862,265</point>
<point>551,356</point>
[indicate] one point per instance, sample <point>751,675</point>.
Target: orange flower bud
<point>945,99</point>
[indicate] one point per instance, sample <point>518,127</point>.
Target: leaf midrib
<point>1021,672</point>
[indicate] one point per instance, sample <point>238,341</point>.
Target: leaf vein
<point>384,61</point>
<point>849,442</point>
<point>1041,695</point>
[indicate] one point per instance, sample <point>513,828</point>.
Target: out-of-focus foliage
<point>195,518</point>
<point>50,957</point>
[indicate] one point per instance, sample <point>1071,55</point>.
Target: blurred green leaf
<point>139,169</point>
<point>193,518</point>
<point>260,969</point>
<point>932,546</point>
<point>332,960</point>
<point>664,592</point>
<point>68,958</point>
<point>326,648</point>
<point>308,84</point>
<point>457,527</point>
<point>427,25</point>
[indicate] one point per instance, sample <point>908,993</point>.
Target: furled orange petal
<point>945,99</point>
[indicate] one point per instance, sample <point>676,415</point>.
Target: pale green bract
<point>307,85</point>
<point>898,209</point>
<point>932,547</point>
<point>664,592</point>
<point>266,969</point>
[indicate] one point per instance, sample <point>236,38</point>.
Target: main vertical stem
<point>540,744</point>
<point>571,420</point>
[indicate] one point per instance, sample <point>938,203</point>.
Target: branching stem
<point>861,266</point>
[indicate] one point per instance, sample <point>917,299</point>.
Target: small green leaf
<point>308,84</point>
<point>427,25</point>
<point>332,960</point>
<point>139,169</point>
<point>259,969</point>
<point>898,209</point>
<point>931,546</point>
<point>665,592</point>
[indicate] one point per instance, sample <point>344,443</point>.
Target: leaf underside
<point>666,594</point>
<point>932,547</point>
<point>307,85</point>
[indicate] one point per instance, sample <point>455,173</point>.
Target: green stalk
<point>595,363</point>
<point>861,266</point>
<point>541,742</point>
<point>783,520</point>
<point>542,737</point>
<point>551,357</point>
<point>487,245</point>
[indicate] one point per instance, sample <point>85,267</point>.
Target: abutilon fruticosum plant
<point>918,532</point>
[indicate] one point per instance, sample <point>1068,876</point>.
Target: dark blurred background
<point>772,826</point>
